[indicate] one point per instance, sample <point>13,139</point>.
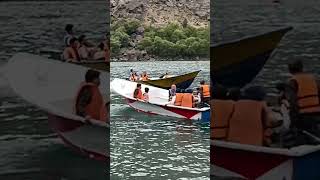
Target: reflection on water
<point>156,147</point>
<point>28,148</point>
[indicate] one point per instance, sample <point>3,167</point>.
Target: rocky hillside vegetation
<point>153,29</point>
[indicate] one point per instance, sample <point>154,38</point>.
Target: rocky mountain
<point>159,12</point>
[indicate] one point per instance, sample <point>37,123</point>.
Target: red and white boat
<point>52,86</point>
<point>158,102</point>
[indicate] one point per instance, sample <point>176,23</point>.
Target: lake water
<point>236,19</point>
<point>157,147</point>
<point>28,148</point>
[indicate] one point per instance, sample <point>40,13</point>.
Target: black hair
<point>81,38</point>
<point>72,40</point>
<point>146,90</point>
<point>202,82</point>
<point>220,92</point>
<point>138,85</point>
<point>255,93</point>
<point>91,75</point>
<point>234,94</point>
<point>68,27</point>
<point>295,67</point>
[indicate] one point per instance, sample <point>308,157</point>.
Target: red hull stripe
<point>249,164</point>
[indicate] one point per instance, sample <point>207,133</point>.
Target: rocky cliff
<point>159,12</point>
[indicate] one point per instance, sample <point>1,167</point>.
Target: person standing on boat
<point>306,89</point>
<point>172,91</point>
<point>69,34</point>
<point>146,94</point>
<point>89,101</point>
<point>138,93</point>
<point>70,53</point>
<point>204,92</point>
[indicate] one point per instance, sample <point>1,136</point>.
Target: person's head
<point>131,70</point>
<point>202,82</point>
<point>295,67</point>
<point>74,43</point>
<point>234,94</point>
<point>93,76</point>
<point>146,90</point>
<point>69,28</point>
<point>220,92</point>
<point>173,87</point>
<point>82,39</point>
<point>138,86</point>
<point>255,93</point>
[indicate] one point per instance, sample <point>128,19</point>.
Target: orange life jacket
<point>205,90</point>
<point>145,78</point>
<point>96,109</point>
<point>221,113</point>
<point>245,125</point>
<point>178,99</point>
<point>139,95</point>
<point>308,96</point>
<point>187,100</point>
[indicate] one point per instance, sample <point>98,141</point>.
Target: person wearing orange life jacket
<point>70,53</point>
<point>138,93</point>
<point>144,76</point>
<point>251,120</point>
<point>205,92</point>
<point>187,100</point>
<point>220,114</point>
<point>89,101</point>
<point>306,89</point>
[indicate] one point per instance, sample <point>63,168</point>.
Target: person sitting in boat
<point>100,53</point>
<point>221,113</point>
<point>205,92</point>
<point>70,53</point>
<point>69,34</point>
<point>89,101</point>
<point>172,91</point>
<point>251,120</point>
<point>144,76</point>
<point>138,93</point>
<point>187,100</point>
<point>146,94</point>
<point>85,52</point>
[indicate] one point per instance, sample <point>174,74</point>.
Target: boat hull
<point>168,110</point>
<point>235,64</point>
<point>88,140</point>
<point>261,164</point>
<point>98,65</point>
<point>182,82</point>
<point>95,64</point>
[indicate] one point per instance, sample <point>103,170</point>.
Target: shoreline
<point>161,59</point>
